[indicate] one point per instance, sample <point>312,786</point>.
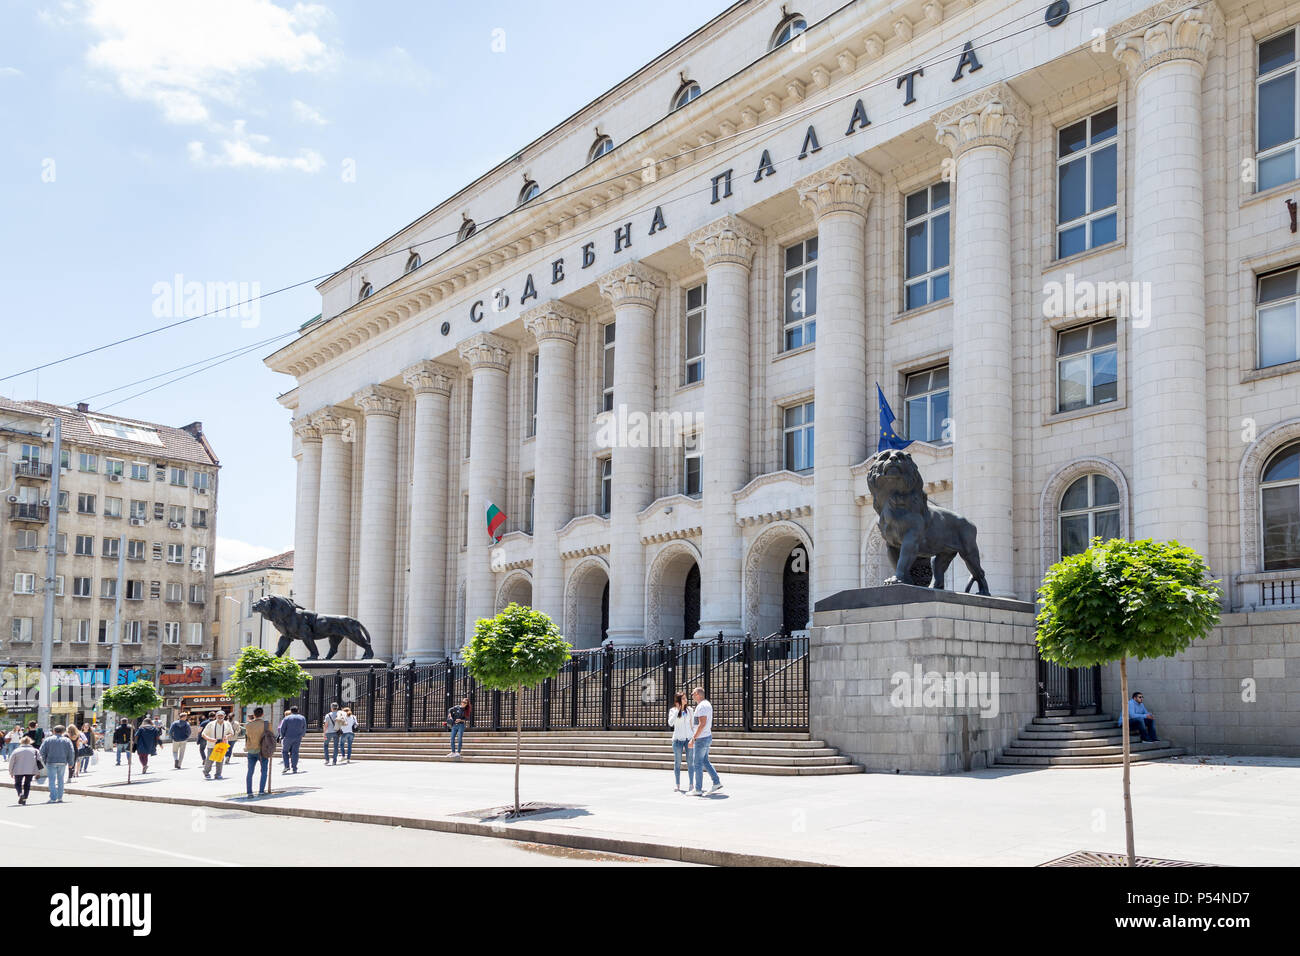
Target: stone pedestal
<point>914,680</point>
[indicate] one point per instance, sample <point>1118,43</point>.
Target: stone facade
<point>236,626</point>
<point>475,372</point>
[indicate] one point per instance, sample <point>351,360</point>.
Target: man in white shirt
<point>699,746</point>
<point>330,726</point>
<point>218,730</point>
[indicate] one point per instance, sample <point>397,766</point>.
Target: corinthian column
<point>726,248</point>
<point>333,551</point>
<point>488,357</point>
<point>426,639</point>
<point>981,132</point>
<point>838,197</point>
<point>633,290</point>
<point>555,326</point>
<point>376,584</point>
<point>1166,60</point>
<point>306,511</point>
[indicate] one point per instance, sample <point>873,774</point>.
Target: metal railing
<point>754,685</point>
<point>32,469</point>
<point>1076,690</point>
<point>23,511</point>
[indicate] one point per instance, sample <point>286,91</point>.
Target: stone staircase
<point>777,754</point>
<point>1059,740</point>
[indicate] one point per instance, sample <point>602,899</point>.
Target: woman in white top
<point>680,720</point>
<point>347,724</point>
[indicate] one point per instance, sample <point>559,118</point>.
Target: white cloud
<point>10,71</point>
<point>233,554</point>
<point>241,149</point>
<point>307,114</point>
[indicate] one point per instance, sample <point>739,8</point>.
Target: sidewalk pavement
<point>1219,810</point>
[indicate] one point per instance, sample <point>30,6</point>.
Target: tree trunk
<point>519,736</point>
<point>1128,797</point>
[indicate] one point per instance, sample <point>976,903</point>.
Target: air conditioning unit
<point>173,525</point>
<point>13,499</point>
<point>114,477</point>
<point>45,502</point>
<point>137,522</point>
<point>202,491</point>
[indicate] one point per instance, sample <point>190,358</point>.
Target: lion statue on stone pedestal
<point>913,528</point>
<point>296,623</point>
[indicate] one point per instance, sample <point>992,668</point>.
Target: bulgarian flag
<point>496,522</point>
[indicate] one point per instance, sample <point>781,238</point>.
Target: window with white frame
<point>196,594</point>
<point>606,490</point>
<point>139,471</point>
<point>925,244</point>
<point>797,436</point>
<point>58,630</point>
<point>1279,495</point>
<point>534,366</point>
<point>24,583</point>
<point>101,637</point>
<point>64,501</point>
<point>88,463</point>
<point>799,318</point>
<point>108,587</point>
<point>530,500</point>
<point>201,479</point>
<point>198,557</point>
<point>112,507</point>
<point>607,370</point>
<point>26,540</point>
<point>176,514</point>
<point>688,91</point>
<point>61,543</point>
<point>20,632</point>
<point>85,546</point>
<point>697,301</point>
<point>1087,371</point>
<point>790,27</point>
<point>58,585</point>
<point>135,550</point>
<point>178,477</point>
<point>196,632</point>
<point>413,262</point>
<point>175,592</point>
<point>139,510</point>
<point>599,148</point>
<point>114,466</point>
<point>692,466</point>
<point>81,633</point>
<point>81,587</point>
<point>1089,509</point>
<point>175,554</point>
<point>529,191</point>
<point>30,454</point>
<point>464,510</point>
<point>1277,110</point>
<point>133,632</point>
<point>1277,317</point>
<point>112,547</point>
<point>925,405</point>
<point>1086,184</point>
<point>172,632</point>
<point>199,517</point>
<point>135,590</point>
<point>85,504</point>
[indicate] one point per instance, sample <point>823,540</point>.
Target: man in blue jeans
<point>331,727</point>
<point>1140,720</point>
<point>699,745</point>
<point>292,729</point>
<point>58,753</point>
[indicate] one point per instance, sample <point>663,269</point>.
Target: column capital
<point>553,320</point>
<point>992,117</point>
<point>429,376</point>
<point>843,186</point>
<point>632,284</point>
<point>379,400</point>
<point>1167,31</point>
<point>729,239</point>
<point>334,422</point>
<point>485,350</point>
<point>305,427</point>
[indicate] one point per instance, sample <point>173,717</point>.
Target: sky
<point>152,148</point>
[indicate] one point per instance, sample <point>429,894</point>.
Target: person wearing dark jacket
<point>180,734</point>
<point>57,753</point>
<point>122,741</point>
<point>293,727</point>
<point>146,743</point>
<point>36,733</point>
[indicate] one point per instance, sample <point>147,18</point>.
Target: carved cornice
<point>1167,31</point>
<point>485,350</point>
<point>992,117</point>
<point>306,429</point>
<point>429,376</point>
<point>334,422</point>
<point>728,240</point>
<point>773,478</point>
<point>379,400</point>
<point>554,320</point>
<point>844,186</point>
<point>632,284</point>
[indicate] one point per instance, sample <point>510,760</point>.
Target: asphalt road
<point>92,831</point>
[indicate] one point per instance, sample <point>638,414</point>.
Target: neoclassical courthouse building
<point>1063,242</point>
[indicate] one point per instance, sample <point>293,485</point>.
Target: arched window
<point>688,91</point>
<point>789,28</point>
<point>530,190</point>
<point>413,263</point>
<point>1089,509</point>
<point>467,228</point>
<point>1279,497</point>
<point>366,289</point>
<point>599,148</point>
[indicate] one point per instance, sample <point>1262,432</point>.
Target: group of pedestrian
<point>692,725</point>
<point>54,756</point>
<point>339,727</point>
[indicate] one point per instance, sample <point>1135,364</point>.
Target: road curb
<point>577,841</point>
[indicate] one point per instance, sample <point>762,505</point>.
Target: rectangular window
<point>606,490</point>
<point>464,538</point>
<point>64,499</point>
<point>151,631</point>
<point>134,632</point>
<point>198,558</point>
<point>61,543</point>
<point>925,243</point>
<point>175,592</point>
<point>113,466</point>
<point>692,466</point>
<point>88,463</point>
<point>135,550</point>
<point>797,436</point>
<point>529,499</point>
<point>82,633</point>
<point>1086,194</point>
<point>800,310</point>
<point>85,545</point>
<point>24,583</point>
<point>139,471</point>
<point>102,636</point>
<point>58,630</point>
<point>112,547</point>
<point>175,554</point>
<point>196,632</point>
<point>135,590</point>
<point>1277,317</point>
<point>196,594</point>
<point>172,632</point>
<point>108,587</point>
<point>30,454</point>
<point>139,510</point>
<point>21,630</point>
<point>201,479</point>
<point>26,541</point>
<point>1086,366</point>
<point>697,301</point>
<point>81,587</point>
<point>1277,119</point>
<point>85,504</point>
<point>178,477</point>
<point>534,364</point>
<point>176,514</point>
<point>925,405</point>
<point>58,585</point>
<point>112,507</point>
<point>65,460</point>
<point>199,518</point>
<point>607,381</point>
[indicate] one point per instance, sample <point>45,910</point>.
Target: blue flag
<point>888,437</point>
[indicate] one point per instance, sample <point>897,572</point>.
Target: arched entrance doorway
<point>517,588</point>
<point>794,591</point>
<point>778,581</point>
<point>586,604</point>
<point>673,594</point>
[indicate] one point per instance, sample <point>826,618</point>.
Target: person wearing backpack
<point>330,725</point>
<point>259,747</point>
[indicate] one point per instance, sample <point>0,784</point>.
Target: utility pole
<point>51,567</point>
<point>116,643</point>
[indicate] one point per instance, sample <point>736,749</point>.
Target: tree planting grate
<point>529,809</point>
<point>1098,858</point>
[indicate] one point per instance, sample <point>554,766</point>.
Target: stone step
<point>1081,743</point>
<point>1080,748</point>
<point>785,770</point>
<point>592,733</point>
<point>509,753</point>
<point>1097,761</point>
<point>1099,734</point>
<point>655,749</point>
<point>1082,720</point>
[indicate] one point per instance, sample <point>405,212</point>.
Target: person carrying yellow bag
<point>218,733</point>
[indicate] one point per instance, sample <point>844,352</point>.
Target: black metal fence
<point>754,685</point>
<point>1073,689</point>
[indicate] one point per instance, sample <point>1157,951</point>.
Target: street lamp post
<point>51,567</point>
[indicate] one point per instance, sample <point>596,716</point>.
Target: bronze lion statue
<point>296,623</point>
<point>913,528</point>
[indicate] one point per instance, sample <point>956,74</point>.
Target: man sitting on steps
<point>1140,720</point>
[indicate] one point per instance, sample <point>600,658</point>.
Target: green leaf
<point>259,677</point>
<point>132,700</point>
<point>519,648</point>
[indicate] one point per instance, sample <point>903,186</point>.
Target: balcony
<point>25,511</point>
<point>32,469</point>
